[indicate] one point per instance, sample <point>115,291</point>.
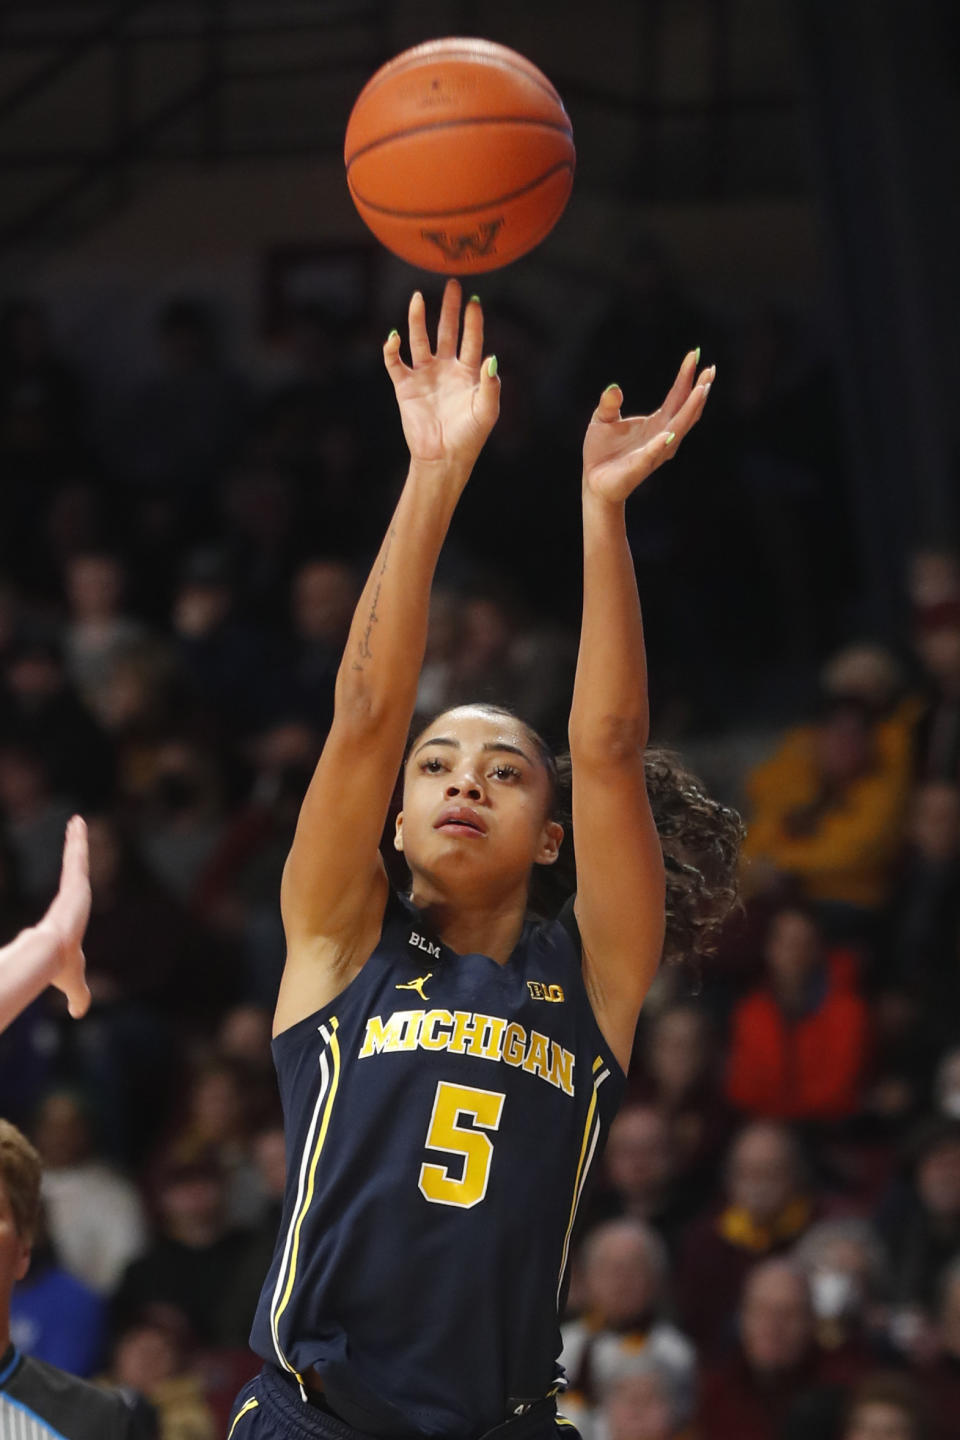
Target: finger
<point>76,857</point>
<point>420,351</point>
<point>608,408</point>
<point>396,369</point>
<point>471,346</point>
<point>78,1000</point>
<point>486,403</point>
<point>448,329</point>
<point>681,387</point>
<point>691,410</point>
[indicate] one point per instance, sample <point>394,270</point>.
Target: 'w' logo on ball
<point>461,247</point>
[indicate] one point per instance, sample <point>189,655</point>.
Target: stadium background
<point>199,452</point>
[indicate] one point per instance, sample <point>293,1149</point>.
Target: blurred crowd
<point>773,1249</point>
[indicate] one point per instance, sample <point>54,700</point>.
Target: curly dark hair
<point>700,839</point>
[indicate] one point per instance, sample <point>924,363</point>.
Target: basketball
<point>459,156</point>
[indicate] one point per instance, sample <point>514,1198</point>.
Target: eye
<point>505,772</point>
<point>432,766</point>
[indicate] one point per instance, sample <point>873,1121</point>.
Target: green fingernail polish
<point>474,299</point>
<point>492,366</point>
<point>696,356</point>
<point>612,386</point>
<point>392,333</point>
<point>670,438</point>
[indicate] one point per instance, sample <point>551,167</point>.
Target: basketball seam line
<point>544,85</point>
<point>463,209</point>
<point>457,125</point>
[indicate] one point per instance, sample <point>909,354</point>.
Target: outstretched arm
<point>334,885</point>
<point>50,952</point>
<point>620,878</point>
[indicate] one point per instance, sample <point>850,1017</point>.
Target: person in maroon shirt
<point>775,1380</point>
<point>767,1209</point>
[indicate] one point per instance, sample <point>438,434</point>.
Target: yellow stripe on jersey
<point>577,1187</point>
<point>251,1404</point>
<point>288,1266</point>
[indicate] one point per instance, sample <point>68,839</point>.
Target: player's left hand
<point>66,919</point>
<point>619,454</point>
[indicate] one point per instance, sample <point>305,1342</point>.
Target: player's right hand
<point>66,919</point>
<point>448,403</point>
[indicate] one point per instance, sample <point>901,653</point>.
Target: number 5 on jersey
<point>451,1104</point>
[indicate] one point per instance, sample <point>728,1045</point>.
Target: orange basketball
<point>459,155</point>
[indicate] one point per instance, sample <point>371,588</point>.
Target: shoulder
<point>78,1410</point>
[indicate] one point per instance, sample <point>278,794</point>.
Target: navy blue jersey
<point>443,1115</point>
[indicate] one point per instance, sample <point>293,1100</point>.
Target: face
<point>938,1180</point>
<point>940,654</point>
<point>678,1050</point>
<point>844,747</point>
<point>761,1177</point>
<point>476,800</point>
<point>775,1324</point>
<point>270,1158</point>
<point>619,1278</point>
<point>639,1157</point>
<point>217,1105</point>
<point>324,595</point>
<point>144,1358</point>
<point>840,1280</point>
<point>62,1134</point>
<point>792,949</point>
<point>94,585</point>
<point>879,1420</point>
<point>935,822</point>
<point>14,1254</point>
<point>640,1409</point>
<point>950,1319</point>
<point>105,853</point>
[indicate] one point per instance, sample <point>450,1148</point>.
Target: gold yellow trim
<point>308,1197</point>
<point>251,1404</point>
<point>576,1184</point>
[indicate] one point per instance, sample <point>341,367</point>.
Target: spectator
<point>940,1375</point>
<point>180,822</point>
<point>646,1403</point>
<point>624,1278</point>
<point>921,933</point>
<point>678,1073</point>
<point>937,642</point>
<point>826,810</point>
<point>33,820</point>
<point>639,1170</point>
<point>767,1209</point>
<point>243,1291</point>
<point>150,1359</point>
<point>847,1271</point>
<point>192,1259</point>
<point>323,596</point>
<point>217,651</point>
<point>40,710</point>
<point>31,1391</point>
<point>888,1407</point>
<point>920,1218</point>
<point>95,1216</point>
<point>97,633</point>
<point>215,1131</point>
<point>774,1376</point>
<point>798,1045</point>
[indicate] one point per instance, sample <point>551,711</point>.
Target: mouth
<point>460,821</point>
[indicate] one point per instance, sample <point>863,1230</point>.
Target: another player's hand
<point>619,454</point>
<point>448,402</point>
<point>66,920</point>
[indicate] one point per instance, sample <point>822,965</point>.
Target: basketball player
<point>50,952</point>
<point>448,1067</point>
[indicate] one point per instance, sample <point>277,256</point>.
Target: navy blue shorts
<point>271,1407</point>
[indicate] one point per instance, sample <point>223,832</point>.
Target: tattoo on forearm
<point>363,648</point>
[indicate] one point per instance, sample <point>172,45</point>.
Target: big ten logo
<point>539,991</point>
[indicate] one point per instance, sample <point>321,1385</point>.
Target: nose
<point>465,785</point>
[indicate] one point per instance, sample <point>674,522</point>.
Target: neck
<point>481,926</point>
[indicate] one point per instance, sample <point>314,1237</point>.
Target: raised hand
<point>619,454</point>
<point>66,919</point>
<point>448,402</point>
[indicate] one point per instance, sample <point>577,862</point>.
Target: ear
<point>23,1261</point>
<point>398,833</point>
<point>551,838</point>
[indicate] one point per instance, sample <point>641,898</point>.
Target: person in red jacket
<point>798,1044</point>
